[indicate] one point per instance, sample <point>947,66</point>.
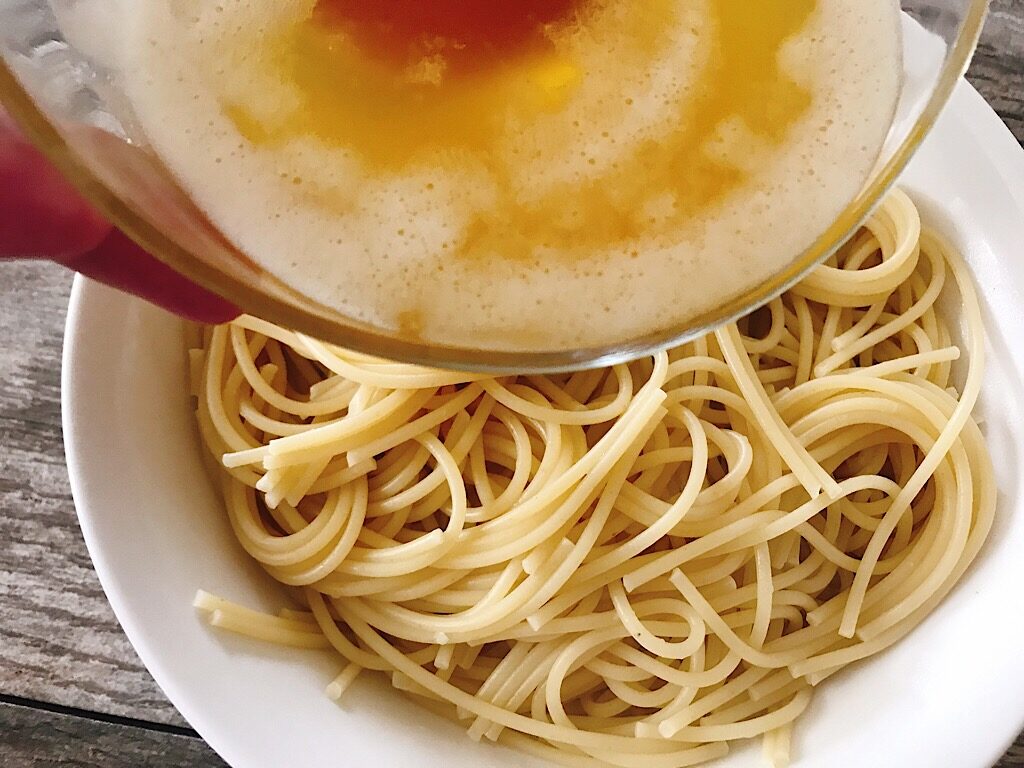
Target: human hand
<point>43,217</point>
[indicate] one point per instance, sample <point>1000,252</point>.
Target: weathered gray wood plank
<point>998,67</point>
<point>1014,757</point>
<point>33,738</point>
<point>59,641</point>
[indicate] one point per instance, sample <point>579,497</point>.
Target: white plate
<point>951,694</point>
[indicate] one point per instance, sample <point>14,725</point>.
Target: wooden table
<point>72,691</point>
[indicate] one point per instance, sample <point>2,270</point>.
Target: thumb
<point>41,215</point>
<point>119,262</point>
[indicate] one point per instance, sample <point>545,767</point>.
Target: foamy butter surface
<point>644,162</point>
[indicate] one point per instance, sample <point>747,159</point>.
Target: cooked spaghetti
<point>633,565</point>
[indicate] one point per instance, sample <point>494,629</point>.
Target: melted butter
<point>469,35</point>
<point>670,154</point>
<point>393,95</point>
<point>397,93</point>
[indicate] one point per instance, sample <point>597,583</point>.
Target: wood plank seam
<point>102,717</point>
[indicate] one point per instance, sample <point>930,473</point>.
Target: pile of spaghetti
<point>632,565</point>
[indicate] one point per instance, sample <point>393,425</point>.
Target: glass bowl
<point>58,84</point>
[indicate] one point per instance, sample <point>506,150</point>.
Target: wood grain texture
<point>998,67</point>
<point>59,641</point>
<point>58,638</point>
<point>1014,757</point>
<point>34,738</point>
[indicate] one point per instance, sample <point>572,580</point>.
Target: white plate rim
<point>993,137</point>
